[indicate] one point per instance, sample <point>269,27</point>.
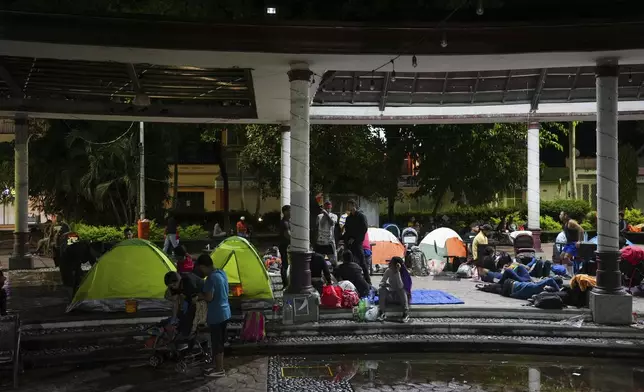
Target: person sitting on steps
<point>394,290</point>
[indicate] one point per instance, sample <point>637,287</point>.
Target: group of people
<point>352,228</point>
<point>349,232</point>
<point>191,295</point>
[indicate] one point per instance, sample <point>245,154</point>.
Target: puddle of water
<point>448,372</point>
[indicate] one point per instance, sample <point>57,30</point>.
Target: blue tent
<point>594,241</point>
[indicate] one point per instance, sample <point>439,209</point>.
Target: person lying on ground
<point>319,268</point>
<point>525,290</point>
<point>351,271</point>
<point>393,289</point>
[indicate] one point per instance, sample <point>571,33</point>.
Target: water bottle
<point>287,313</point>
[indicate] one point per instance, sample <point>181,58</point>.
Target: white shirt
<point>326,229</point>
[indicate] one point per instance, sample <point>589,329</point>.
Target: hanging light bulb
<point>414,61</point>
<point>372,84</point>
<point>393,71</point>
<point>333,90</point>
<point>444,40</point>
<point>358,86</point>
<point>630,75</point>
<point>479,8</point>
<point>344,87</point>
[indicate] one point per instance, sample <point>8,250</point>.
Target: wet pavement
<point>368,373</point>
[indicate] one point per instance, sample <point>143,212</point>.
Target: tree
<point>628,171</point>
<point>473,161</point>
<point>397,144</point>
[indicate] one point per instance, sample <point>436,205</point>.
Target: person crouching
<point>395,287</point>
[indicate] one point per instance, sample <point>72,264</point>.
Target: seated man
<point>393,289</point>
<point>351,271</point>
<point>184,289</point>
<point>319,268</point>
<point>525,290</point>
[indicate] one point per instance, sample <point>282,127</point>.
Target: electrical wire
<point>102,143</point>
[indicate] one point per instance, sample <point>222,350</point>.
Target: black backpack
<point>547,300</point>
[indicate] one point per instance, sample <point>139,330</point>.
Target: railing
<point>10,345</point>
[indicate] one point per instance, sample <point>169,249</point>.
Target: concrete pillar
<point>20,259</point>
<point>285,194</point>
<point>609,302</point>
<point>534,189</point>
<point>300,253</point>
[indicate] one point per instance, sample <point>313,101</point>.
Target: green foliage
<point>591,218</point>
<point>628,171</point>
<point>587,226</point>
<point>548,223</point>
<point>460,218</point>
<point>193,232</point>
<point>474,161</point>
<point>633,216</point>
<point>98,233</point>
<point>576,209</point>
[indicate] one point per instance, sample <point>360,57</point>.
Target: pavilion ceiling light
<point>414,61</point>
<point>344,87</point>
<point>372,84</point>
<point>271,10</point>
<point>630,75</point>
<point>444,40</point>
<point>358,86</point>
<point>479,8</point>
<point>393,71</point>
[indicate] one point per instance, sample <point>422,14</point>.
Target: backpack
<point>418,263</point>
<point>349,299</point>
<point>331,297</point>
<point>546,300</point>
<point>254,327</point>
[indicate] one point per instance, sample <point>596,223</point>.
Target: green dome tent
<point>239,260</point>
<point>133,269</point>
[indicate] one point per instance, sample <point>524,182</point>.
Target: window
<point>193,201</point>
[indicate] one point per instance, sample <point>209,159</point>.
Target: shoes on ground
<point>405,317</point>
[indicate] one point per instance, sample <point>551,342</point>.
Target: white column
<point>19,259</point>
<point>607,160</point>
<point>534,380</point>
<point>534,190</point>
<point>285,193</point>
<point>300,77</point>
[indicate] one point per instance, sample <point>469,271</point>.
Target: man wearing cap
<point>480,239</point>
<point>326,222</point>
<point>242,229</point>
<point>355,230</point>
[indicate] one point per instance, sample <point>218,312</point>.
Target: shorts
<point>570,249</point>
<point>218,337</point>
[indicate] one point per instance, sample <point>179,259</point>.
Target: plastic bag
<point>331,297</point>
<point>464,271</point>
<point>436,266</point>
<point>576,321</point>
<point>371,314</point>
<point>347,285</point>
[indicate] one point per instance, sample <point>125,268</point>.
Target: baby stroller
<point>523,244</point>
<point>409,238</point>
<point>167,343</point>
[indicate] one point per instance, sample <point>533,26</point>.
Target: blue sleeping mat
<point>432,297</point>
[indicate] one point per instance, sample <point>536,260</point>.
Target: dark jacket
<point>356,227</point>
<point>353,273</point>
<point>319,267</point>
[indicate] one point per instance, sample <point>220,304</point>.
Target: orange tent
<point>385,245</point>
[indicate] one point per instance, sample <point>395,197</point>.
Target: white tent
<point>442,242</point>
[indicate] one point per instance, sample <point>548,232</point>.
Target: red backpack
<point>331,297</point>
<point>350,299</point>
